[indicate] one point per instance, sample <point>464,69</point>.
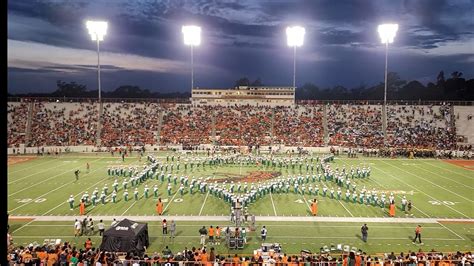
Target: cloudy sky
<point>48,40</point>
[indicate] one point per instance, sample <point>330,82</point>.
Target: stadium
<point>244,175</point>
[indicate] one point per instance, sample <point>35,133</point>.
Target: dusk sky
<point>48,41</point>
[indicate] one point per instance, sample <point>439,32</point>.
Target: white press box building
<point>245,95</point>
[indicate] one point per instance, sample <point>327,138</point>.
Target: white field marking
<point>464,185</point>
<point>451,231</point>
<point>345,208</point>
<point>271,225</point>
<point>171,200</point>
<point>45,170</point>
<point>273,204</point>
<point>449,170</point>
<point>307,204</point>
<point>202,207</point>
<point>34,185</point>
<point>396,194</point>
<point>400,197</point>
<point>33,166</point>
<point>454,193</point>
<point>423,193</point>
<point>23,226</point>
<point>286,237</point>
<point>131,205</point>
<point>53,191</point>
<point>95,184</point>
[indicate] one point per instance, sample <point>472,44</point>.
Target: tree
<point>242,82</point>
<point>257,82</point>
<point>71,89</point>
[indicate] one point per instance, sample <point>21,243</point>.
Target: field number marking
<point>28,200</point>
<point>445,202</point>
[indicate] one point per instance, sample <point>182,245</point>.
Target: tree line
<point>453,88</point>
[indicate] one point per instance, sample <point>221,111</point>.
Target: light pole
<point>387,34</point>
<point>97,31</point>
<point>192,37</point>
<point>295,38</point>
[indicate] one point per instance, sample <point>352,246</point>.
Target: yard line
<point>95,184</point>
<point>45,170</point>
<point>447,169</point>
<point>464,185</point>
<point>422,192</point>
<point>345,208</point>
<point>273,204</point>
<point>397,194</point>
<point>129,207</point>
<point>22,226</point>
<point>307,204</point>
<point>166,207</point>
<point>34,185</point>
<point>202,207</point>
<point>51,191</point>
<point>454,193</point>
<point>451,231</point>
<point>33,166</point>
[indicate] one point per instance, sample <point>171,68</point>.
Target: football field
<point>39,187</point>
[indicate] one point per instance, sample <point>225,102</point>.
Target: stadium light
<point>192,37</point>
<point>97,31</point>
<point>295,38</point>
<point>387,34</point>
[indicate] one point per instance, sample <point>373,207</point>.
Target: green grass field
<point>41,187</point>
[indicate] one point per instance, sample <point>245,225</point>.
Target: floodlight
<point>97,29</point>
<point>295,36</point>
<point>387,32</point>
<point>192,35</point>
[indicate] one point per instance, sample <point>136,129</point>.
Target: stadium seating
<point>142,123</point>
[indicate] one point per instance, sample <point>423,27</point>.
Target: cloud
<point>37,56</point>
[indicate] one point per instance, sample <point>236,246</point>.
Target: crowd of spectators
<point>17,116</point>
<point>141,123</point>
<point>63,124</point>
<point>421,127</point>
<point>67,254</point>
<point>355,125</point>
<point>133,124</point>
<point>186,125</point>
<point>299,126</point>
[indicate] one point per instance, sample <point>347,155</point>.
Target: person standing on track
<point>263,233</point>
<point>76,173</point>
<point>417,234</point>
<point>87,167</point>
<point>364,230</point>
<point>172,228</point>
<point>203,234</point>
<point>77,228</point>
<point>164,225</point>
